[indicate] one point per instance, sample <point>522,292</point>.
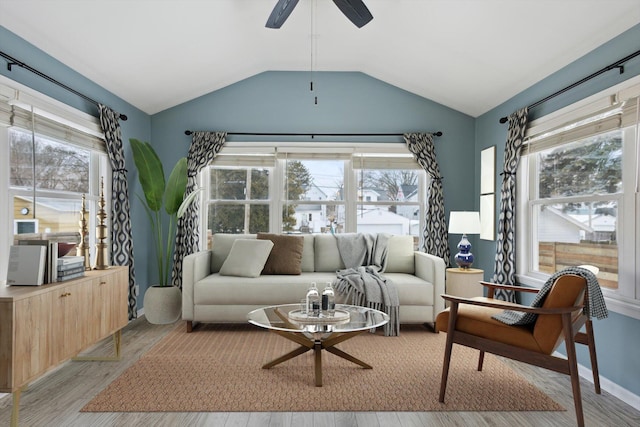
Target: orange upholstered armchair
<point>560,316</point>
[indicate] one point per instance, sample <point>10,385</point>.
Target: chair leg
<point>591,342</point>
<point>573,367</point>
<point>453,313</point>
<point>480,360</point>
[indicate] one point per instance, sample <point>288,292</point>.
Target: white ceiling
<point>470,55</point>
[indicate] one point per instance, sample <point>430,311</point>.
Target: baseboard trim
<point>607,385</point>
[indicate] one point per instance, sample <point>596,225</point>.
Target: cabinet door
<point>119,312</point>
<point>69,320</point>
<point>110,301</point>
<point>32,355</point>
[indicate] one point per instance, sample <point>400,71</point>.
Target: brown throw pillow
<point>286,255</point>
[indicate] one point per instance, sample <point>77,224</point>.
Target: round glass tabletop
<point>348,318</point>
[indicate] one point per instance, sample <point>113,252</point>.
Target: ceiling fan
<point>355,10</point>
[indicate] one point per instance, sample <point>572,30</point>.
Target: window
<point>63,174</point>
<point>391,190</point>
<point>52,162</point>
<point>578,184</point>
<point>313,194</point>
<point>240,200</point>
<point>329,188</point>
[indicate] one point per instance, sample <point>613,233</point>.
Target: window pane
<point>240,184</point>
<point>571,234</point>
<point>52,215</point>
<point>238,219</point>
<point>59,166</point>
<point>259,184</point>
<point>314,180</point>
<point>320,184</point>
<point>397,190</point>
<point>381,219</point>
<point>258,218</point>
<point>387,184</point>
<point>314,218</point>
<point>589,166</point>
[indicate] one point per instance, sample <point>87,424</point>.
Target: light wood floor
<point>56,399</point>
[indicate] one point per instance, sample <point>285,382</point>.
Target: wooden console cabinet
<point>43,326</point>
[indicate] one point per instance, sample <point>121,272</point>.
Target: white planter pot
<point>162,304</point>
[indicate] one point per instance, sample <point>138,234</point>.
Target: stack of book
<point>70,267</point>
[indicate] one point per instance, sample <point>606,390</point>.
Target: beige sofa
<point>208,296</point>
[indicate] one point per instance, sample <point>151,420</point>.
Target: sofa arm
<point>432,269</point>
<point>195,267</point>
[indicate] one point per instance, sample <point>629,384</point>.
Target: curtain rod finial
<point>123,117</point>
<point>503,120</point>
<point>187,132</point>
<point>438,133</point>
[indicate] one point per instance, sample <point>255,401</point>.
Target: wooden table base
<point>317,345</point>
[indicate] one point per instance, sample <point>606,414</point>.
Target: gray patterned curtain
<point>121,238</point>
<point>435,236</point>
<point>204,147</point>
<point>505,264</point>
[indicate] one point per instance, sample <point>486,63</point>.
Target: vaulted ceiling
<point>470,55</point>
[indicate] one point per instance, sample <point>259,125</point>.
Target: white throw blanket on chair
<point>365,258</point>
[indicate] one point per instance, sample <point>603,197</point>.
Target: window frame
<point>626,299</point>
<point>345,151</point>
<point>61,123</point>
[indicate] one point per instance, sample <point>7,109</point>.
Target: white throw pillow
<point>246,258</point>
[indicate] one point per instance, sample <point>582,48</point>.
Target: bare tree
<point>57,166</point>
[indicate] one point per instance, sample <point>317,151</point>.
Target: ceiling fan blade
<point>280,13</point>
<point>355,10</point>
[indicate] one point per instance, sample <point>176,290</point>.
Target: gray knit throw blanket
<point>594,305</point>
<point>365,258</point>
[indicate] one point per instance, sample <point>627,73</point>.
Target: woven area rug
<point>217,368</point>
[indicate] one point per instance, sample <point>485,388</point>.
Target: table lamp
<point>464,223</point>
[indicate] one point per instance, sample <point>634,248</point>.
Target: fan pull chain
<point>313,6</point>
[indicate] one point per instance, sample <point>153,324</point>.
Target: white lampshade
<point>464,223</point>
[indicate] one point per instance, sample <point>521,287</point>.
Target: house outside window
<point>332,188</point>
<point>577,190</point>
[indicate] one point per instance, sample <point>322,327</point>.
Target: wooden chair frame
<point>571,331</point>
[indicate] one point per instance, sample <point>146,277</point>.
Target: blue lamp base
<point>464,258</point>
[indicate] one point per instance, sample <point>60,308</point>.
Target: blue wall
<point>138,124</point>
<point>618,337</point>
<point>347,103</point>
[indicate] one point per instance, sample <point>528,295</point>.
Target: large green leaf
<point>176,186</point>
<point>150,173</point>
<point>188,200</point>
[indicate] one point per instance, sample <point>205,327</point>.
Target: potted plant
<point>164,203</point>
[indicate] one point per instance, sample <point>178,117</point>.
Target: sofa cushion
<point>412,290</point>
<point>264,290</point>
<point>246,258</point>
<point>308,254</point>
<point>400,255</point>
<point>286,255</point>
<point>327,256</point>
<point>221,246</point>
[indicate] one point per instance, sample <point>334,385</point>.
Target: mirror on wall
<point>487,193</point>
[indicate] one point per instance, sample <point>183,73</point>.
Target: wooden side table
<point>464,282</point>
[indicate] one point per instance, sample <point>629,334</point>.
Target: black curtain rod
<point>188,132</point>
<point>618,64</point>
<point>11,61</point>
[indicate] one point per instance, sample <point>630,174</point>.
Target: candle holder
<point>102,255</point>
<point>83,248</point>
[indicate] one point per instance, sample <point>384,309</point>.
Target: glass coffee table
<point>317,334</point>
